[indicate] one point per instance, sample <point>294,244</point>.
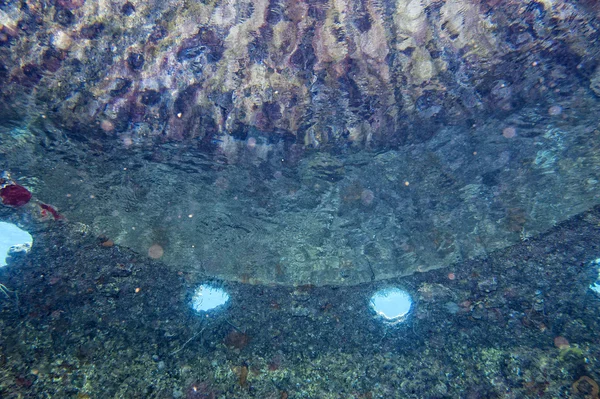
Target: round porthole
<point>392,304</point>
<point>596,285</point>
<point>13,239</point>
<point>207,297</point>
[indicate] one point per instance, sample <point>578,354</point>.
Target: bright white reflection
<point>206,297</point>
<point>391,303</point>
<point>596,286</point>
<point>13,237</point>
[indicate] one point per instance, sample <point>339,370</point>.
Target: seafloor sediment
<point>87,320</point>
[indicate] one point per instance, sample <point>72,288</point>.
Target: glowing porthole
<point>392,304</point>
<point>13,239</point>
<point>207,297</point>
<point>596,286</point>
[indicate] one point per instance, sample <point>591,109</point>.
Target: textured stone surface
<point>254,215</point>
<point>304,142</point>
<point>366,73</point>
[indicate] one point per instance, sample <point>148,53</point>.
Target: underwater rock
<point>383,70</point>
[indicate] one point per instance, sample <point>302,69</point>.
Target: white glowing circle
<point>391,303</point>
<point>207,297</point>
<point>13,238</point>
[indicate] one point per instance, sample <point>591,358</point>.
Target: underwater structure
<point>304,142</point>
<point>282,199</point>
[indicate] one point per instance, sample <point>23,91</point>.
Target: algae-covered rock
<point>316,72</point>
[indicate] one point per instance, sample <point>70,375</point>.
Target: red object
<point>15,195</point>
<point>51,209</point>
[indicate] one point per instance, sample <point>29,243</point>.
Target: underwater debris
<point>201,390</point>
<point>243,376</point>
<point>561,343</point>
<point>107,244</point>
<point>4,290</point>
<point>590,389</point>
<point>237,340</point>
<point>51,210</point>
<point>15,195</point>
